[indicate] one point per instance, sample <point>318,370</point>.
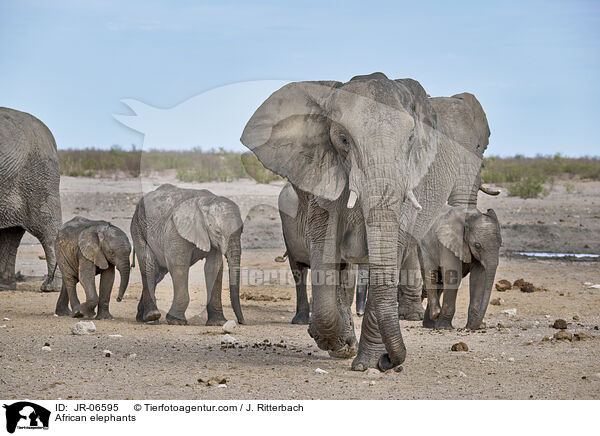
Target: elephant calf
<point>461,241</point>
<point>85,248</point>
<point>172,229</point>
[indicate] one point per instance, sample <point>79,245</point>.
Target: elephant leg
<point>47,238</point>
<point>444,321</point>
<point>345,296</point>
<point>410,306</point>
<point>371,346</point>
<point>62,304</point>
<point>431,289</point>
<point>299,271</point>
<point>107,279</point>
<point>362,283</point>
<point>451,277</point>
<point>10,239</point>
<point>147,311</point>
<point>181,297</point>
<point>87,274</point>
<point>213,274</point>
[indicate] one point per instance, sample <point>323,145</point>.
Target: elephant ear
<point>89,243</point>
<point>426,138</point>
<point>450,231</point>
<point>289,133</point>
<point>190,224</point>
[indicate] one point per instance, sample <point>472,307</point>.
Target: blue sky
<point>534,66</point>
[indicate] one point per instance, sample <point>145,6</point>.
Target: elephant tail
<point>133,257</point>
<point>280,259</point>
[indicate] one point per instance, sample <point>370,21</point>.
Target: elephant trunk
<point>124,270</point>
<point>233,262</point>
<point>481,281</point>
<point>382,240</point>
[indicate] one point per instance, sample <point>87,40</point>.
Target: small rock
<point>497,301</point>
<point>3,326</point>
<point>372,383</point>
<point>461,374</point>
<point>576,317</point>
<point>116,335</point>
<point>500,326</point>
<point>6,319</point>
<point>511,359</point>
<point>229,326</point>
<point>107,353</point>
<point>131,355</point>
<point>46,348</point>
<point>321,371</point>
<point>460,346</point>
<point>214,381</point>
<point>372,372</point>
<point>594,287</point>
<point>228,339</point>
<point>563,335</point>
<point>83,328</point>
<point>547,316</point>
<point>503,286</point>
<point>546,339</point>
<point>582,336</point>
<point>509,312</point>
<point>560,324</point>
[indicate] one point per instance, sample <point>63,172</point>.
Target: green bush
<point>256,170</point>
<point>529,187</point>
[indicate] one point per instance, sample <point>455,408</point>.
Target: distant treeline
<point>219,165</point>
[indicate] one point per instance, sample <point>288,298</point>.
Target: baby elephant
<point>172,229</point>
<point>461,241</point>
<point>85,248</point>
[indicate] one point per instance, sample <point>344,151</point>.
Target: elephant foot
<point>385,364</point>
<point>302,318</point>
<point>175,321</point>
<point>150,316</point>
<point>327,343</point>
<point>428,323</point>
<point>410,311</point>
<point>367,357</point>
<point>443,324</point>
<point>215,320</point>
<point>8,285</point>
<point>83,312</point>
<point>51,285</point>
<point>347,351</point>
<point>104,314</point>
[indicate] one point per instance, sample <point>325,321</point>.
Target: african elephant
<point>86,248</point>
<point>29,197</point>
<point>461,241</point>
<point>173,228</point>
<point>375,165</point>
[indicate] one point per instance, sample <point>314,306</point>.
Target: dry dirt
<point>274,359</point>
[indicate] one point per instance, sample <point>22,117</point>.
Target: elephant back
<point>24,139</point>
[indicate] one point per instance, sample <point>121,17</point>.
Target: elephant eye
<point>478,245</point>
<point>344,140</point>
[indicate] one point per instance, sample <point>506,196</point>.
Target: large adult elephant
<point>372,156</point>
<point>29,197</point>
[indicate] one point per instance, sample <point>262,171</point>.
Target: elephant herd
<point>380,175</point>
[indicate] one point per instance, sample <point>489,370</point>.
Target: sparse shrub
<point>529,187</point>
<point>256,170</point>
<point>569,187</point>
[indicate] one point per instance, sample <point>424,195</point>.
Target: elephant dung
<point>83,328</point>
<point>460,346</point>
<point>214,381</point>
<point>497,301</point>
<point>563,335</point>
<point>582,336</point>
<point>560,324</point>
<point>503,285</point>
<point>229,326</point>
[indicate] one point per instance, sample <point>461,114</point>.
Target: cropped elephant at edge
<point>460,242</point>
<point>86,248</point>
<point>376,167</point>
<point>172,229</point>
<point>29,193</point>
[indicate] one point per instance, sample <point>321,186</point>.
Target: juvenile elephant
<point>461,241</point>
<point>172,229</point>
<point>29,197</point>
<point>86,248</point>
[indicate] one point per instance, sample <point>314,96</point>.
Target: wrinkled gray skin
<point>29,197</point>
<point>293,213</point>
<point>172,229</point>
<point>461,241</point>
<point>84,249</point>
<point>462,119</point>
<point>381,140</point>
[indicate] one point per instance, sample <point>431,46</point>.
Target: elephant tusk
<point>411,196</point>
<point>489,191</point>
<point>352,199</point>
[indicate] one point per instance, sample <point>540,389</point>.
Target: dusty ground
<point>274,359</point>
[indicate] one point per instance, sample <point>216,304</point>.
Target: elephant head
<point>104,244</point>
<point>367,142</point>
<point>463,120</point>
<point>215,223</point>
<point>474,237</point>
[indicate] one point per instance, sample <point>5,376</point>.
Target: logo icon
<point>26,415</point>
